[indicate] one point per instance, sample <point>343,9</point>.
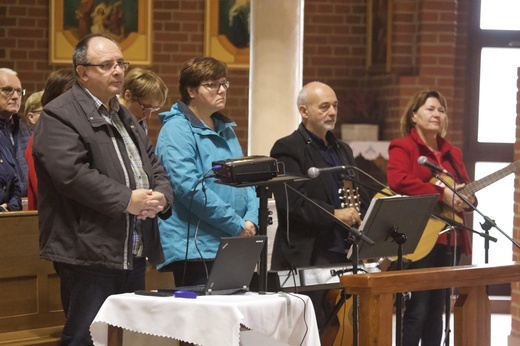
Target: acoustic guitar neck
<point>477,185</point>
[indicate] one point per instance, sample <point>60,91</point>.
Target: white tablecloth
<point>210,320</point>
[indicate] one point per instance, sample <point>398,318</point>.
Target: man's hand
<point>146,203</point>
<point>350,216</point>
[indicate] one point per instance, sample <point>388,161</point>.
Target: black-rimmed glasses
<point>108,66</point>
<point>8,91</point>
<point>147,108</point>
<point>215,86</point>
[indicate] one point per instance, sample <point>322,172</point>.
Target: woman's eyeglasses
<point>148,108</point>
<point>215,86</point>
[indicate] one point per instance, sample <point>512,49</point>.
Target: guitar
<point>349,195</point>
<point>435,224</point>
<point>339,330</point>
<point>338,333</point>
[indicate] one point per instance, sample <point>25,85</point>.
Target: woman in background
<point>194,134</point>
<point>59,81</point>
<point>424,125</point>
<point>144,93</point>
<point>32,109</point>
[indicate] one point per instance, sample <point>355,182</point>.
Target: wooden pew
<point>472,312</point>
<point>30,305</point>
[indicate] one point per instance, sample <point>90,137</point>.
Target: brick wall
<point>426,52</point>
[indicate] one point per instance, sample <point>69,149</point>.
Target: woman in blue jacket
<point>193,135</point>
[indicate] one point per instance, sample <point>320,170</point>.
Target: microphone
<point>313,172</point>
<point>423,161</point>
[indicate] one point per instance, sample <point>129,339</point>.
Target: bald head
<point>318,107</point>
<point>312,90</point>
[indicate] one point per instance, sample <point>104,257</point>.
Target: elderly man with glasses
<point>14,135</point>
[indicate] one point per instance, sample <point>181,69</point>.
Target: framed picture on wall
<point>226,31</point>
<point>379,35</point>
<point>129,22</point>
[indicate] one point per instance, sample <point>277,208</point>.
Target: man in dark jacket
<point>14,135</point>
<point>310,237</point>
<point>100,188</point>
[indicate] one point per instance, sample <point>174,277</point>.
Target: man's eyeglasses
<point>8,91</point>
<point>108,66</point>
<point>148,108</point>
<point>215,86</point>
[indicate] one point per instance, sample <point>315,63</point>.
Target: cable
<point>197,231</point>
<point>304,315</point>
<point>193,190</point>
<point>384,186</point>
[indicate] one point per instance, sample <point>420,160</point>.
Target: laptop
<point>232,268</point>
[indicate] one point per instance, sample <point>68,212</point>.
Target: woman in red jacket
<point>423,125</point>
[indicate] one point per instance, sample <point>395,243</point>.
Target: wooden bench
<point>30,305</point>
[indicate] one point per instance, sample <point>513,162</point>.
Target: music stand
<point>396,224</point>
<point>407,214</point>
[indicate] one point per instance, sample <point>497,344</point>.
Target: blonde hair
<point>33,103</point>
<point>145,83</point>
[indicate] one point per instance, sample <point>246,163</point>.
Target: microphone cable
<point>384,186</point>
<point>193,190</point>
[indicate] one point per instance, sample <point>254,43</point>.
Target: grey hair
<point>304,93</point>
<point>8,71</point>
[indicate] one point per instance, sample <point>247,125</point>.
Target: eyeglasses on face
<point>108,66</point>
<point>8,91</point>
<point>215,86</point>
<point>147,108</point>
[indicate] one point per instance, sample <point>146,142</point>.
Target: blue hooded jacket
<point>187,148</point>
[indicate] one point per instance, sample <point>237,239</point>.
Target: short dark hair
<point>195,71</point>
<point>79,57</point>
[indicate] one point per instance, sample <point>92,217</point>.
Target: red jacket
<point>405,176</point>
<point>32,183</point>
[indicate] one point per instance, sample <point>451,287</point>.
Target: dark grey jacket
<point>82,195</point>
<point>308,223</point>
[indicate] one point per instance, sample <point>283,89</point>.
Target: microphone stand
<point>355,237</point>
<point>488,223</point>
<point>486,226</point>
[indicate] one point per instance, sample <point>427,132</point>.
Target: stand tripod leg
<point>400,239</point>
<point>263,217</point>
